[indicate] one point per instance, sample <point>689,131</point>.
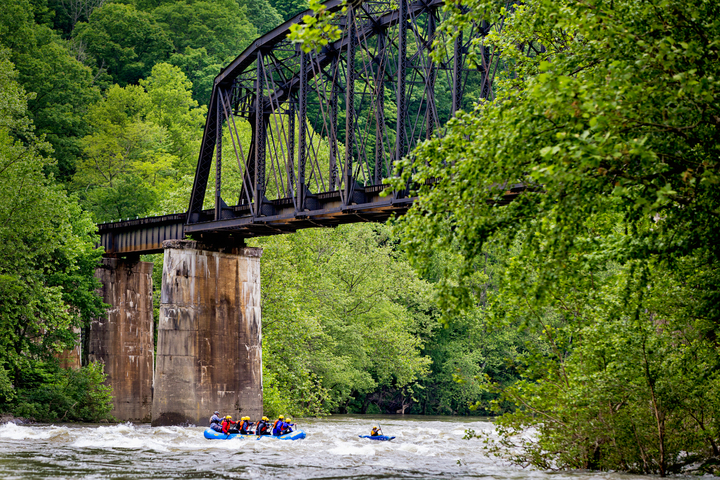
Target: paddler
<point>277,426</point>
<point>216,422</point>
<point>227,423</point>
<point>263,426</point>
<point>245,425</point>
<point>287,426</point>
<point>375,432</point>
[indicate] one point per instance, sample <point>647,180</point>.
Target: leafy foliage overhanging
<point>610,118</point>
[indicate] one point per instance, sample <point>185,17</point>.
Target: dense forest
<point>104,104</point>
<point>586,311</point>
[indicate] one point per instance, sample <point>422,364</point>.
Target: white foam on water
<point>13,432</point>
<point>416,449</point>
<point>348,448</point>
<point>423,448</point>
<point>16,432</point>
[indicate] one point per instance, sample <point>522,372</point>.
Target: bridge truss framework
<point>297,140</point>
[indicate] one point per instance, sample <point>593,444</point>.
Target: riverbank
<point>7,418</point>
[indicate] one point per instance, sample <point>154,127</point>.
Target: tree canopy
<point>47,260</point>
<point>608,117</point>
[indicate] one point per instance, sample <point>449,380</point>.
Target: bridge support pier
<point>123,340</point>
<point>209,353</point>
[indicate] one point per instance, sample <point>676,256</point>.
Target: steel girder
<point>314,135</point>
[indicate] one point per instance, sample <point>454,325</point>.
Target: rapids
<point>424,448</point>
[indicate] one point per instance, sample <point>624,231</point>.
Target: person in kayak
<point>227,425</point>
<point>216,422</point>
<point>375,432</point>
<point>263,426</point>
<point>245,425</point>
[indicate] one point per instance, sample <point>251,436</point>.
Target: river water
<point>424,448</point>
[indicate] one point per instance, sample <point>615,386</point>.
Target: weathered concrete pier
<point>123,339</point>
<point>209,352</point>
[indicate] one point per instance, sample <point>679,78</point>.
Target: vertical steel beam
<point>402,62</point>
<point>430,87</point>
<point>457,74</point>
<point>202,170</point>
<point>259,135</point>
<point>290,165</point>
<point>333,123</point>
<point>350,107</point>
<point>379,107</point>
<point>302,132</point>
<point>218,158</point>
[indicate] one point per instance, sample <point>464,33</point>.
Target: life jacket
<point>277,427</point>
<point>375,432</point>
<point>262,427</point>
<point>244,427</point>
<point>226,425</point>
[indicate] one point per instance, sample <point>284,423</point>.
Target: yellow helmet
<point>246,418</point>
<point>281,417</point>
<point>289,419</point>
<point>228,417</point>
<point>265,418</point>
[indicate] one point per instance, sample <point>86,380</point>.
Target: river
<point>424,448</point>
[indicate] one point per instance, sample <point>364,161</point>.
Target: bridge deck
<point>146,235</point>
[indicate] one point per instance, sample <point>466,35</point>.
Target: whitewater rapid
<point>424,448</point>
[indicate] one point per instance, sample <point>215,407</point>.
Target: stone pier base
<point>209,353</point>
<point>123,340</point>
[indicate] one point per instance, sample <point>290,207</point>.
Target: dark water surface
<point>424,448</point>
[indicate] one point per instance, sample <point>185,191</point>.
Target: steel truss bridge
<point>297,140</point>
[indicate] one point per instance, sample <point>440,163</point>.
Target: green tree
<point>125,41</point>
<point>125,149</point>
<point>610,123</point>
<point>174,109</point>
<point>47,253</point>
<point>67,13</point>
<point>289,8</point>
<point>145,138</point>
<point>206,35</point>
<point>64,87</point>
<point>200,68</point>
<point>220,26</point>
<point>332,329</point>
<point>261,14</point>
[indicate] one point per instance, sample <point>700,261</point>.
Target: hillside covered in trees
<point>104,104</point>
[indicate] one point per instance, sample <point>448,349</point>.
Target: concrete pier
<point>123,340</point>
<point>209,352</point>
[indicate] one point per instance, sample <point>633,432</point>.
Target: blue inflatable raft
<point>211,434</point>
<point>381,438</point>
